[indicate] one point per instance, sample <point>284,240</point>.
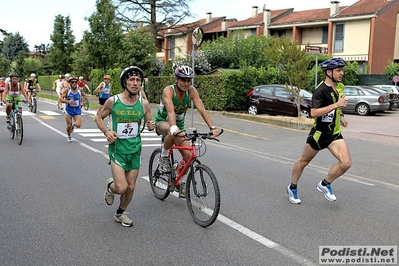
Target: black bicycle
<point>16,125</point>
<point>33,104</point>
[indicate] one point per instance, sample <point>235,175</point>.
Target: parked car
<point>393,92</point>
<point>364,100</point>
<point>275,99</point>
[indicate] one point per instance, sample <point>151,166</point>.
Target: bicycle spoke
<point>158,181</point>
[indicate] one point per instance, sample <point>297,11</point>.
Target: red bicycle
<point>202,189</point>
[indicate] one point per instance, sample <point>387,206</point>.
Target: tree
<point>157,14</point>
<point>13,44</point>
<point>104,40</point>
<point>80,60</point>
<point>138,49</point>
<point>4,66</point>
<point>392,69</point>
<point>294,63</point>
<point>62,46</point>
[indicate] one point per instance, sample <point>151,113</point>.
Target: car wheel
<point>305,113</point>
<point>362,109</point>
<point>253,109</point>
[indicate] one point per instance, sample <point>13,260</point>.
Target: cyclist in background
<point>2,87</point>
<point>57,86</point>
<point>82,84</point>
<point>13,90</point>
<point>104,90</point>
<point>31,84</point>
<point>172,110</point>
<point>73,99</point>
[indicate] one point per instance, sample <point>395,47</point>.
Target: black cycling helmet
<point>184,72</point>
<point>332,63</point>
<point>14,75</point>
<point>128,72</point>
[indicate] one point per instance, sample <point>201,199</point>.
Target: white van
<point>393,92</point>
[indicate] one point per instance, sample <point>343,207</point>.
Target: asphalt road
<point>52,210</point>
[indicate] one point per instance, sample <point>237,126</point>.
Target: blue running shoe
<point>327,190</point>
<point>293,195</point>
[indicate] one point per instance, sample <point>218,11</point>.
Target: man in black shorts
<point>326,132</point>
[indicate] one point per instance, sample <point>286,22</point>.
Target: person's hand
<point>343,122</point>
<point>111,136</point>
<point>215,132</point>
<point>343,101</point>
<point>150,125</point>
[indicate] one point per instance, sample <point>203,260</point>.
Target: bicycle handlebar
<point>193,136</point>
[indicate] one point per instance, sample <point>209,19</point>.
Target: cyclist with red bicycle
<point>171,113</point>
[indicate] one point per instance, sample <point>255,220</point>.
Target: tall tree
<point>5,66</point>
<point>13,44</point>
<point>62,46</point>
<point>139,50</point>
<point>157,14</point>
<point>293,61</point>
<point>105,36</point>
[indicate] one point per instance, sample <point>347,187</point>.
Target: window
<point>266,90</point>
<point>281,92</point>
<point>324,38</point>
<point>339,38</point>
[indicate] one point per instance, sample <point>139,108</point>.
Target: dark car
<point>275,99</point>
<point>392,94</point>
<point>364,100</point>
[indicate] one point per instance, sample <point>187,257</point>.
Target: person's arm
<point>318,112</point>
<point>99,87</point>
<point>103,113</point>
<point>38,86</point>
<point>88,89</point>
<point>167,99</point>
<point>83,97</point>
<point>147,116</point>
<point>5,92</point>
<point>25,93</point>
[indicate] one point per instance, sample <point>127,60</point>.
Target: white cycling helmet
<point>67,75</point>
<point>33,75</point>
<point>80,78</point>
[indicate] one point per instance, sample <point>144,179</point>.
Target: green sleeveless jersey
<point>180,109</point>
<point>126,120</point>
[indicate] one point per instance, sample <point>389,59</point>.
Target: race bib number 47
<point>127,130</point>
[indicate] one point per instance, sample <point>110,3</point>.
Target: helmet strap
<point>332,76</point>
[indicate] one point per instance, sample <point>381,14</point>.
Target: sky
<point>35,20</point>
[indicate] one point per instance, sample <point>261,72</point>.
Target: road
<point>52,210</point>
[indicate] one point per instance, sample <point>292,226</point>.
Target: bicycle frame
<point>192,158</point>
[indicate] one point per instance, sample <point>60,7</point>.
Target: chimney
<point>208,17</point>
<point>223,25</point>
<point>267,18</point>
<point>254,11</point>
<point>334,9</point>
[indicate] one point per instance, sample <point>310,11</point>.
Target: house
<point>366,32</point>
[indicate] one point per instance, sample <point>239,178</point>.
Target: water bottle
<point>175,163</point>
<point>180,166</point>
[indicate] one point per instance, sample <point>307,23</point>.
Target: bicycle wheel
<point>34,105</point>
<point>86,104</point>
<point>11,128</point>
<point>203,195</point>
<point>158,180</point>
<point>19,129</point>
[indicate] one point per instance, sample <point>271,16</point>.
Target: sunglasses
<point>73,82</point>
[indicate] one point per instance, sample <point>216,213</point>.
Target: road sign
<point>198,33</point>
<point>316,50</point>
<point>395,79</point>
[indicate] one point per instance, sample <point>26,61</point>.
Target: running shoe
<point>164,164</point>
<point>109,196</point>
<point>69,139</point>
<point>327,190</point>
<point>123,219</point>
<point>293,195</point>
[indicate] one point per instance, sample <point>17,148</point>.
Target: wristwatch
<point>212,128</point>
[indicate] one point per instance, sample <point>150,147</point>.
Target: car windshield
<point>305,94</point>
